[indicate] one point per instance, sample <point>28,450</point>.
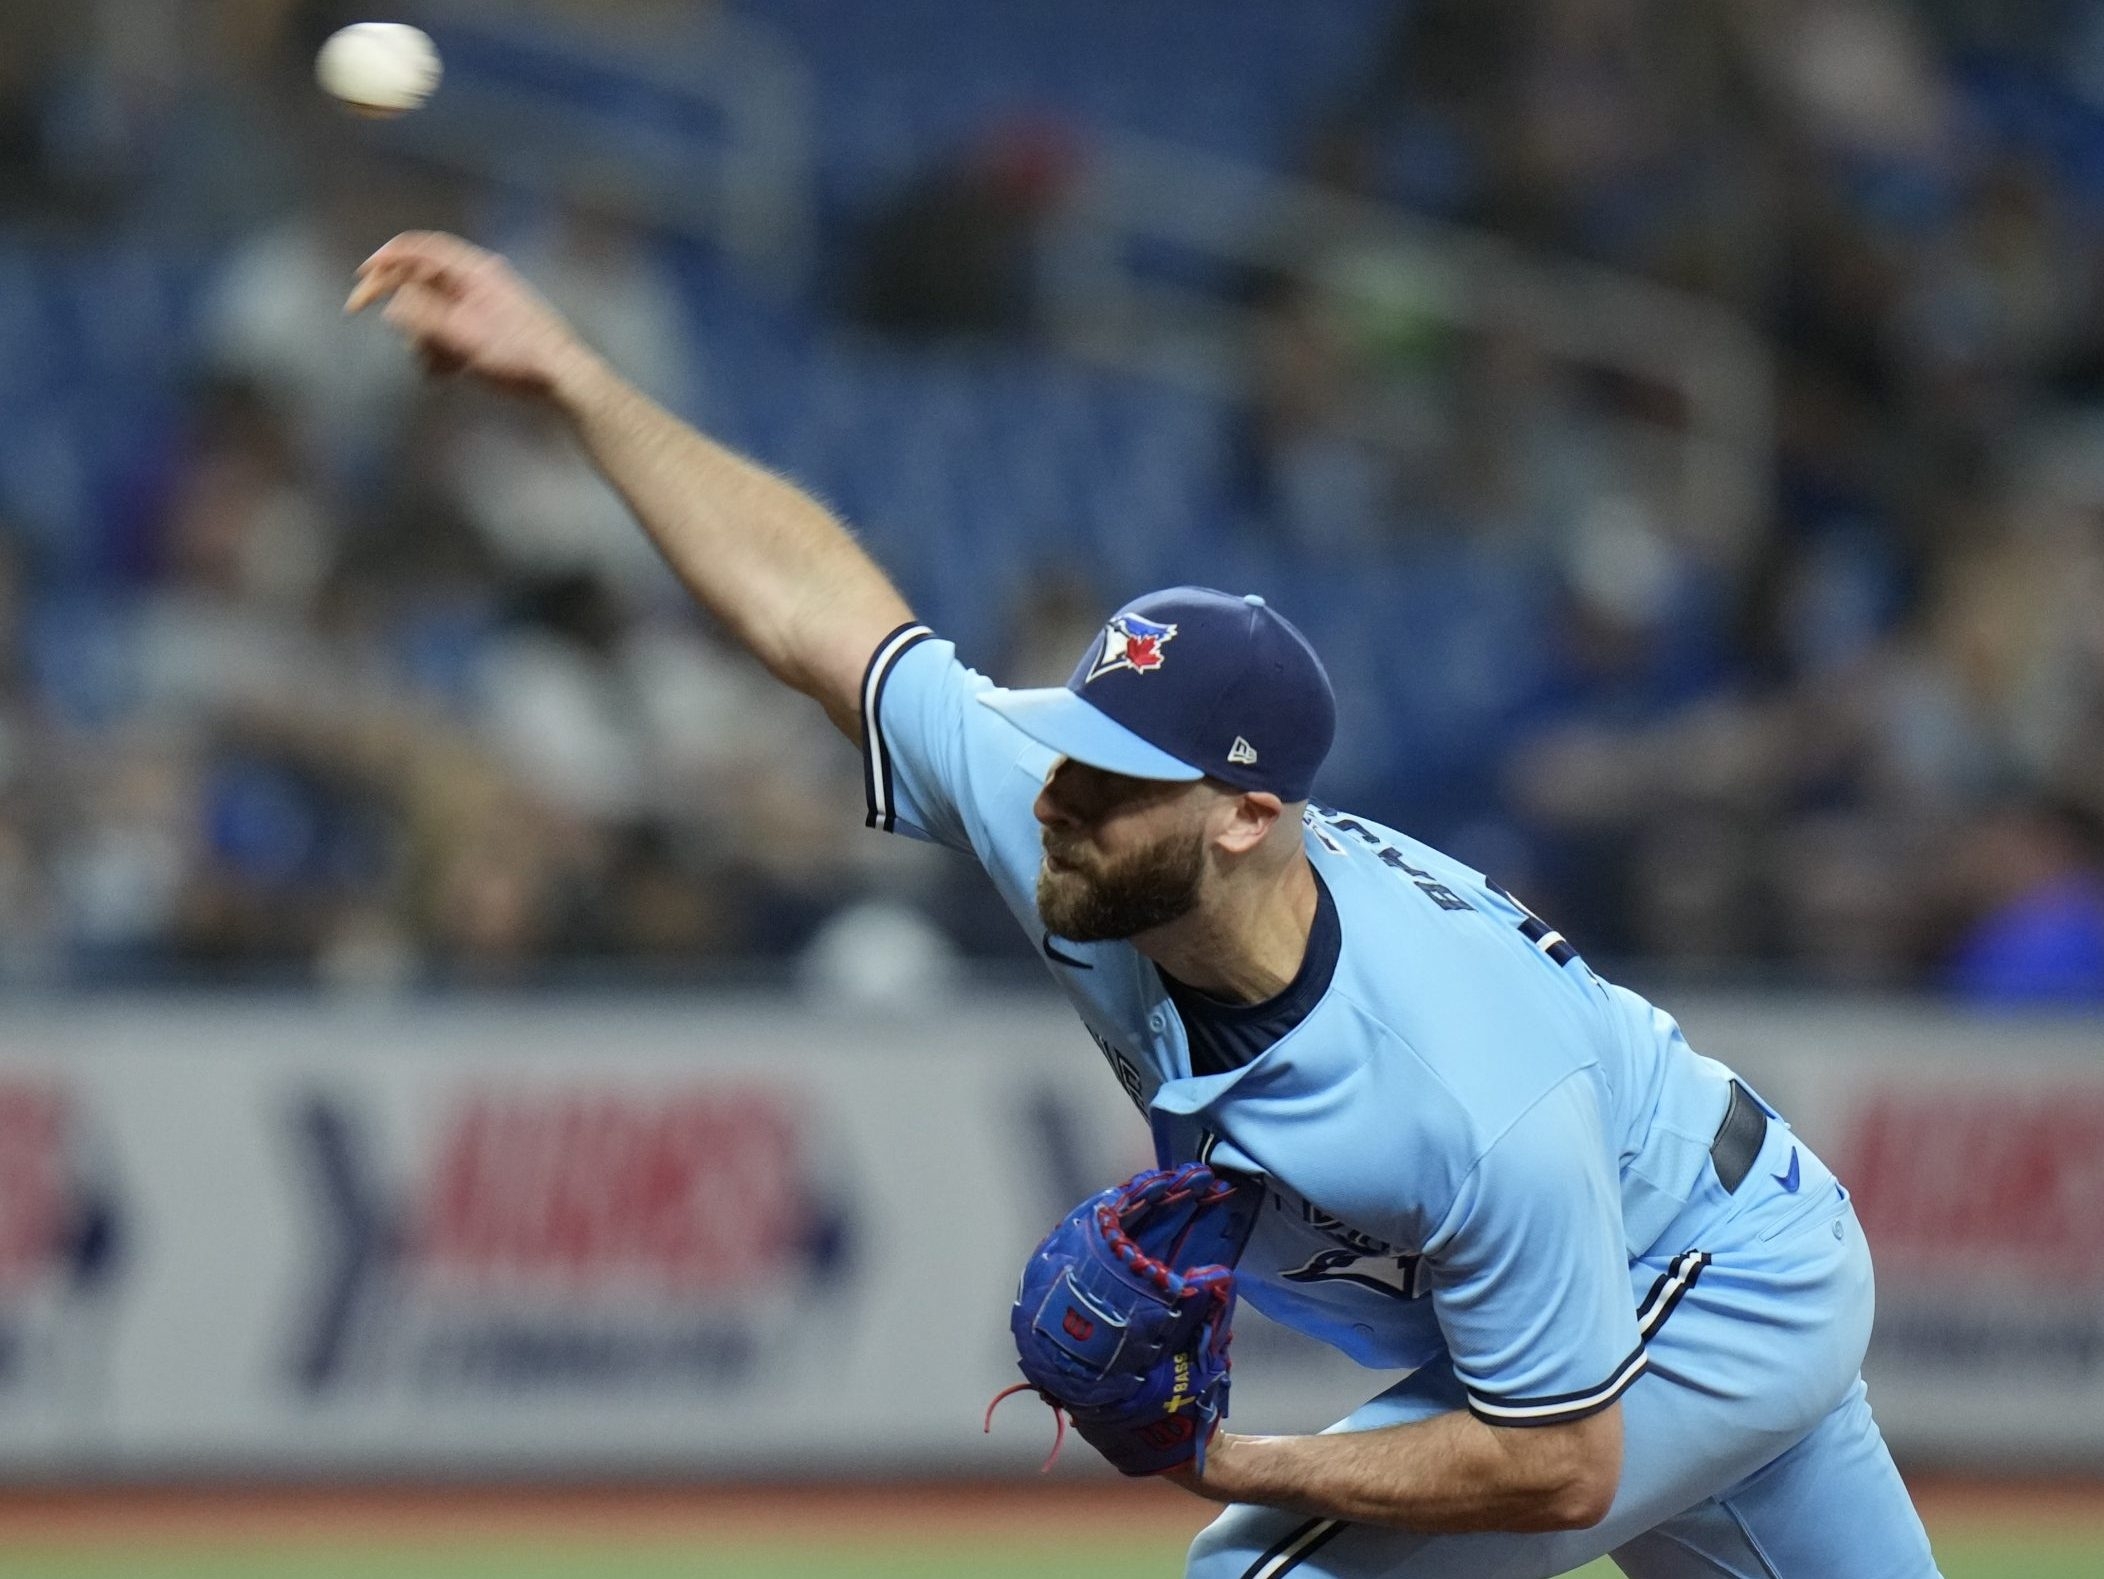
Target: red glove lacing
<point>1059,1416</point>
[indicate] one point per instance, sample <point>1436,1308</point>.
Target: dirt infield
<point>912,1511</point>
<point>2072,1505</point>
<point>908,1512</point>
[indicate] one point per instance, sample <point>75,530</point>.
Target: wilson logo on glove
<point>1171,1433</point>
<point>1145,1378</point>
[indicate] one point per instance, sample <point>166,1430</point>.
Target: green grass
<point>1970,1558</point>
<point>686,1561</point>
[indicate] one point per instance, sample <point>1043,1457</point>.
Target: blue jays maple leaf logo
<point>1130,642</point>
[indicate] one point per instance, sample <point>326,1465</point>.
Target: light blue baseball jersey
<point>1471,1141</point>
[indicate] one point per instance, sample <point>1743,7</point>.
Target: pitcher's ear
<point>1251,815</point>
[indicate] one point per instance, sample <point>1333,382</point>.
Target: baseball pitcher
<point>1392,1107</point>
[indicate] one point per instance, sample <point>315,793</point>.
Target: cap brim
<point>1056,717</point>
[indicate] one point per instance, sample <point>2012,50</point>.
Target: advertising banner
<point>1974,1148</point>
<point>62,1235</point>
<point>560,1240</point>
<point>671,1236</point>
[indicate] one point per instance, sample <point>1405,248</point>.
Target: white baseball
<point>380,68</point>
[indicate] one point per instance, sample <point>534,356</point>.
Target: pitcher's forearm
<point>765,558</point>
<point>1446,1475</point>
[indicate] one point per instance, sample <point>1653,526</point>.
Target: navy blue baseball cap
<point>1186,684</point>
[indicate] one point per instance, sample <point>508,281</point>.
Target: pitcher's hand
<point>464,309</point>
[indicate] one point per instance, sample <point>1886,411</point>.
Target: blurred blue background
<point>1681,428</point>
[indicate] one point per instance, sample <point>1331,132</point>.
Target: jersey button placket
<point>1164,1049</point>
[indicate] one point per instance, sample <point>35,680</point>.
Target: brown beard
<point>1146,889</point>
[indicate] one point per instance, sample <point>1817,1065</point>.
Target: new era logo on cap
<point>1237,673</point>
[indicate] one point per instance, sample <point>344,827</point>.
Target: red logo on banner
<point>35,1196</point>
<point>688,1189</point>
<point>1078,1326</point>
<point>1984,1175</point>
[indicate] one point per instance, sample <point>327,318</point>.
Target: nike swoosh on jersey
<point>1068,960</point>
<point>1788,1180</point>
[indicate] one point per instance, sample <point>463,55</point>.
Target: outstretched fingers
<point>426,257</point>
<point>379,280</point>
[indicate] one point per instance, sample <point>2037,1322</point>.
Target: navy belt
<point>1739,1138</point>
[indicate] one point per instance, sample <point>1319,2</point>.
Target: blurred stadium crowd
<point>311,671</point>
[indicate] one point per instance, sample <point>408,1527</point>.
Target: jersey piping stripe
<point>1564,1406</point>
<point>1294,1548</point>
<point>1671,1287</point>
<point>876,756</point>
<point>1543,936</point>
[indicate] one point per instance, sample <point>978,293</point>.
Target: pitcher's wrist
<point>577,378</point>
<point>1218,1481</point>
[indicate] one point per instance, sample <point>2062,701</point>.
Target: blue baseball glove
<point>1122,1319</point>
